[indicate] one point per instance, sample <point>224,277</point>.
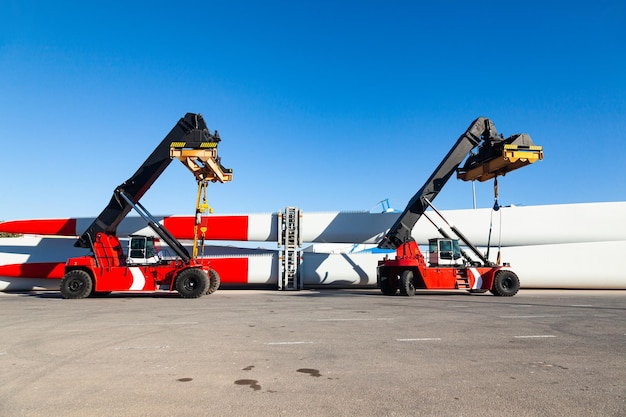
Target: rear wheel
<point>406,283</point>
<point>214,281</point>
<point>505,284</point>
<point>76,284</point>
<point>388,287</point>
<point>192,283</point>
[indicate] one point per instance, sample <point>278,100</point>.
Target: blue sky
<point>323,105</point>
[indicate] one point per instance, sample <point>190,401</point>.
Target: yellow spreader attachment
<point>203,163</point>
<point>500,158</point>
<point>200,157</point>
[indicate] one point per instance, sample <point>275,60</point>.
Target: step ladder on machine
<point>462,282</point>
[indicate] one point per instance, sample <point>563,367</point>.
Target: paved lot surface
<point>314,353</point>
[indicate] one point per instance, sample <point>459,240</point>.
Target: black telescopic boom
<point>189,129</point>
<point>480,130</point>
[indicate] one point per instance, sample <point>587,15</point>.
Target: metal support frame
<point>289,242</point>
<point>159,229</point>
<point>470,245</point>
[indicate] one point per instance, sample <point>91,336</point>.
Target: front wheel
<point>192,283</point>
<point>406,283</point>
<point>76,284</point>
<point>505,284</point>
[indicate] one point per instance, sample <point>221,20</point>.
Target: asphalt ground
<point>314,353</point>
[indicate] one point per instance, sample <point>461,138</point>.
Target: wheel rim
<point>75,285</point>
<point>190,284</point>
<point>507,283</point>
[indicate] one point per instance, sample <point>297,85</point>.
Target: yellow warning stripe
<point>202,145</point>
<point>529,148</point>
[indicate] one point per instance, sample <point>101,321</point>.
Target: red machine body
<point>409,272</point>
<point>110,270</point>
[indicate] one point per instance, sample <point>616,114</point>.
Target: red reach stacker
<point>448,266</point>
<point>141,267</point>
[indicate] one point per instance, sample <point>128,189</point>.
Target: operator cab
<point>444,252</point>
<point>143,250</point>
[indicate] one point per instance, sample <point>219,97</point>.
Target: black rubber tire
<point>387,287</point>
<point>76,284</point>
<point>214,281</point>
<point>192,283</point>
<point>406,283</point>
<point>505,284</point>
